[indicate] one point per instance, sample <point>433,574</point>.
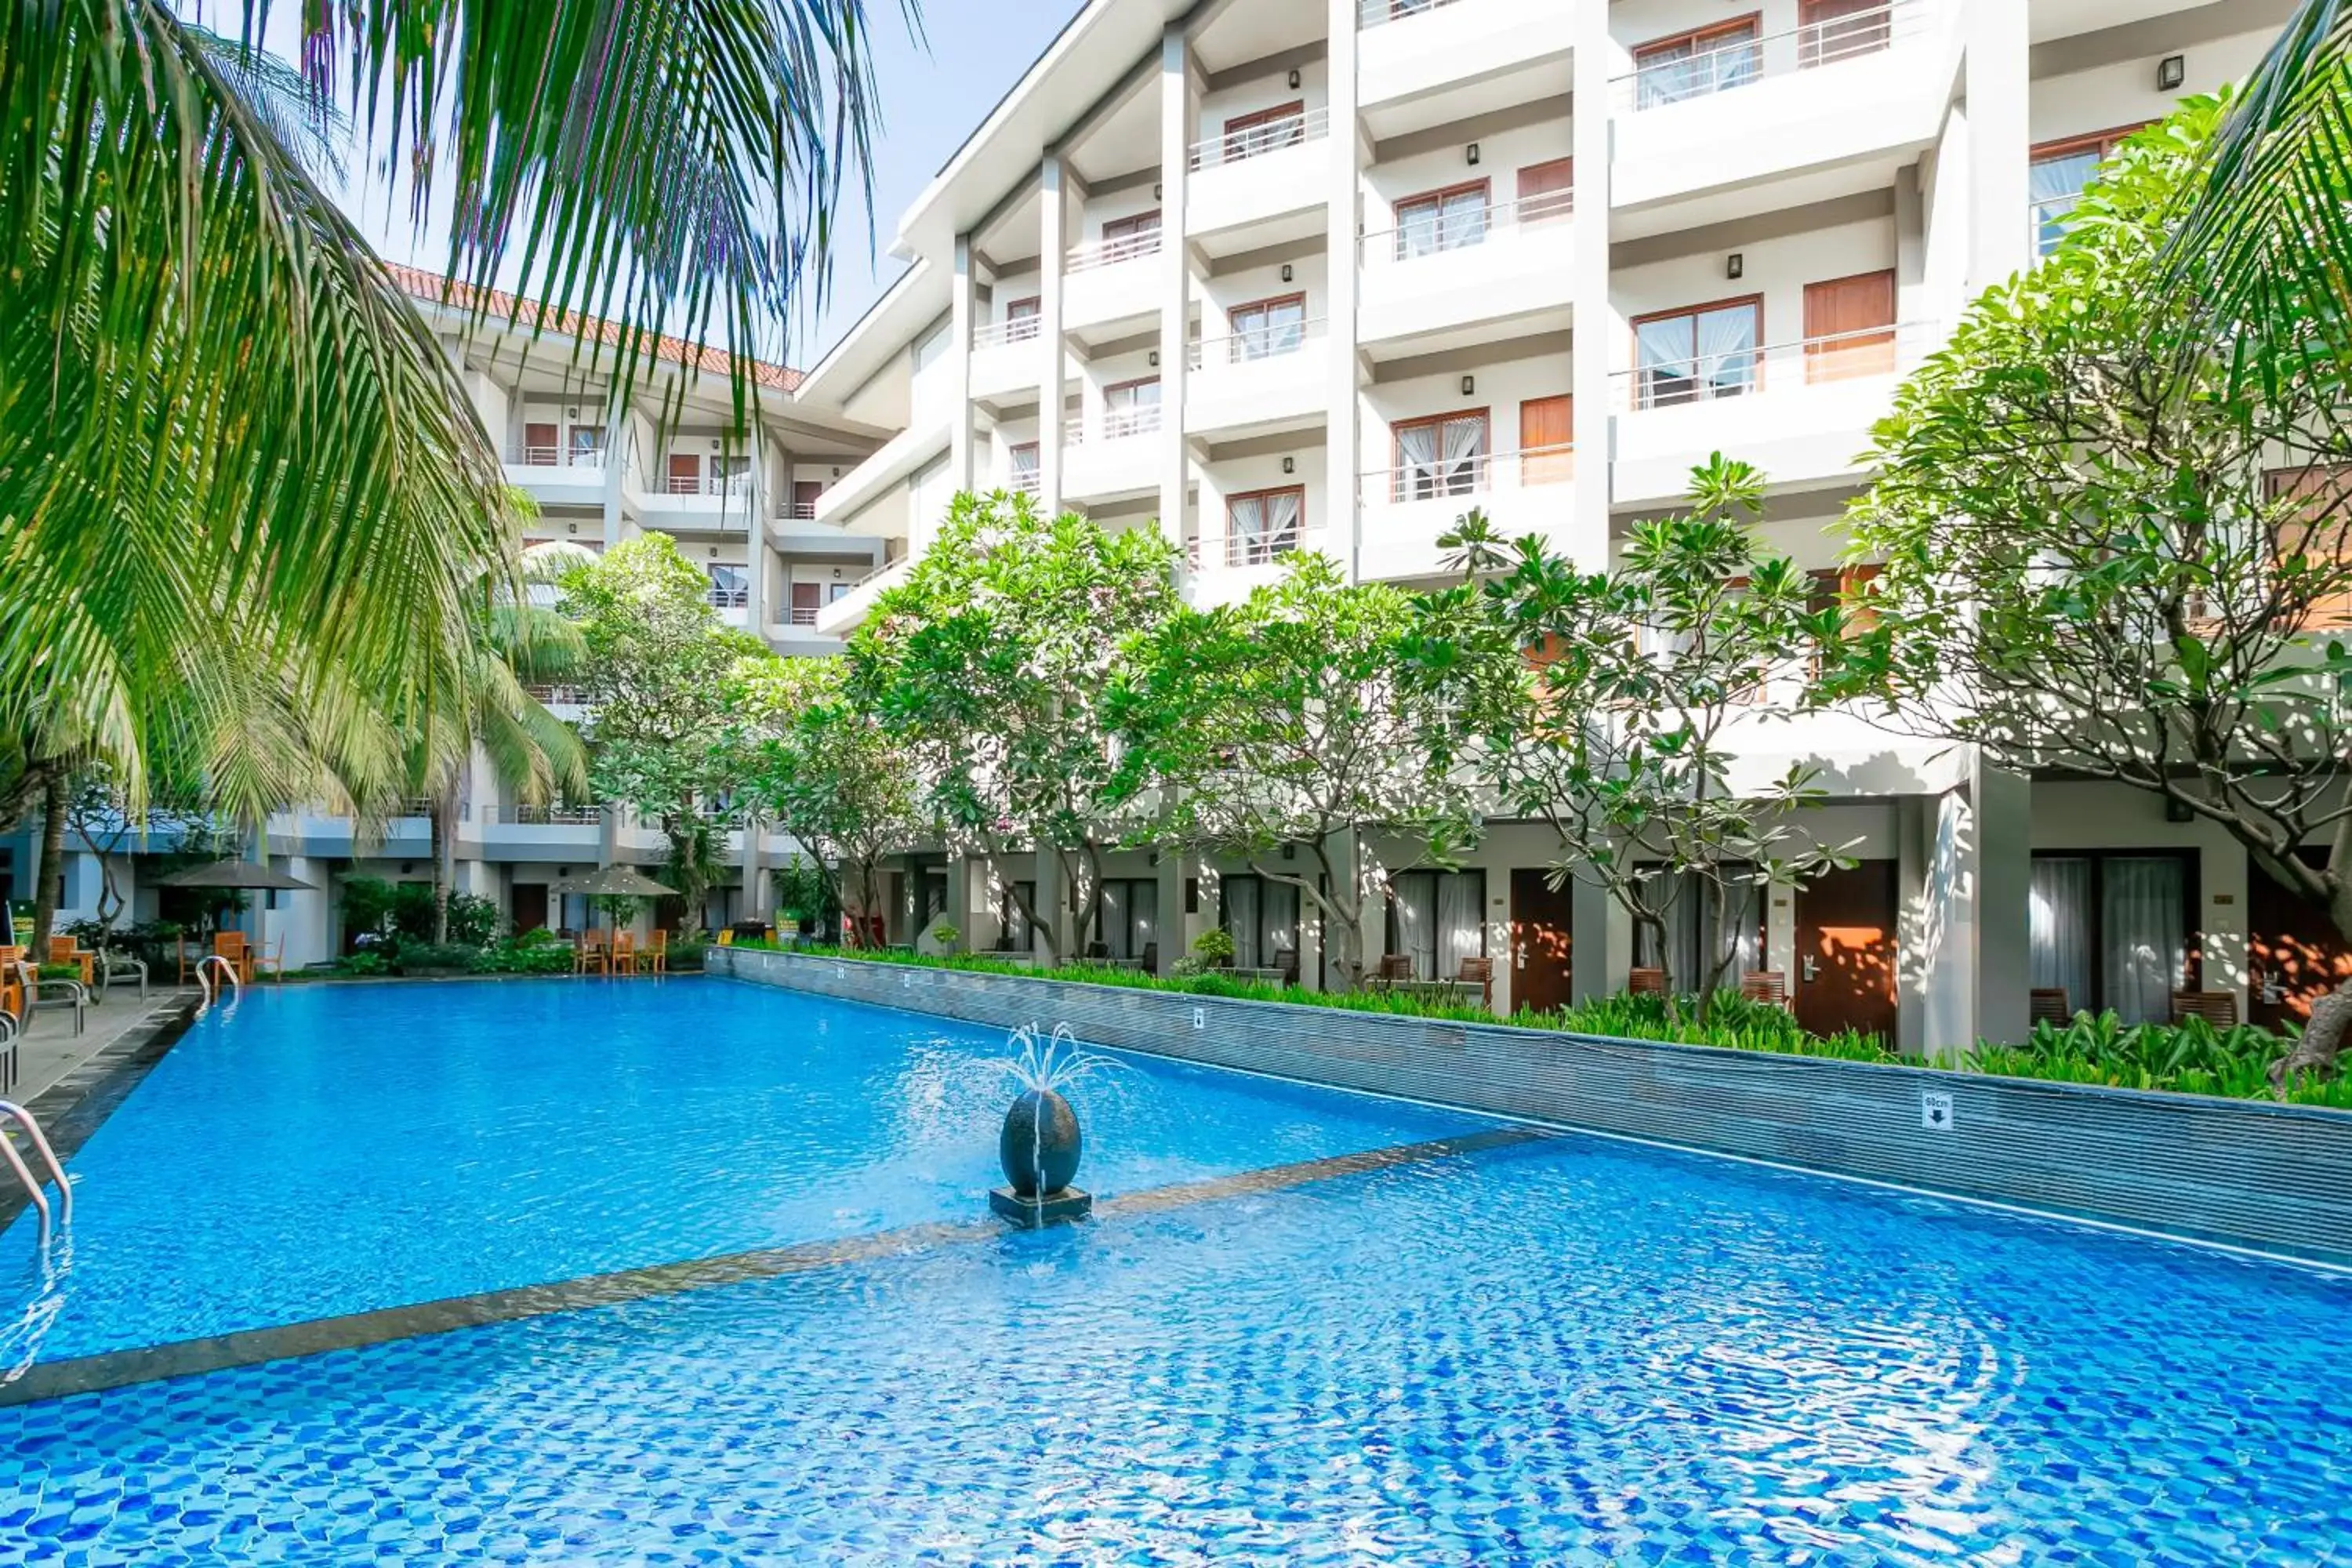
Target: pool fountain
<point>1040,1142</point>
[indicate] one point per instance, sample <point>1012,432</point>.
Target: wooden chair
<point>625,954</point>
<point>66,950</point>
<point>1645,982</point>
<point>2047,1004</point>
<point>2218,1008</point>
<point>654,957</point>
<point>1392,968</point>
<point>592,953</point>
<point>1770,987</point>
<point>1479,971</point>
<point>1150,958</point>
<point>187,956</point>
<point>233,946</point>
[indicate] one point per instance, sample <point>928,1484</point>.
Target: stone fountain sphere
<point>1040,1146</point>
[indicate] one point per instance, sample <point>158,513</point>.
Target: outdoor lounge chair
<point>113,963</point>
<point>1478,972</point>
<point>39,993</point>
<point>2047,1004</point>
<point>234,946</point>
<point>1645,982</point>
<point>1770,987</point>
<point>2218,1008</point>
<point>592,953</point>
<point>625,954</point>
<point>67,949</point>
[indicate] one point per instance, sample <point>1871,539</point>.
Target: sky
<point>934,91</point>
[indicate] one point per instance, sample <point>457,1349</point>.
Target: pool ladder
<point>213,965</point>
<point>12,1112</point>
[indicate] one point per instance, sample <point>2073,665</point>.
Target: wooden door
<point>804,494</point>
<point>685,473</point>
<point>539,443</point>
<point>1850,327</point>
<point>1829,31</point>
<point>1845,951</point>
<point>1541,927</point>
<point>530,901</point>
<point>1546,440</point>
<point>1547,191</point>
<point>808,597</point>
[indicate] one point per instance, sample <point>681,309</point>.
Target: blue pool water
<point>1570,1352</point>
<point>330,1150</point>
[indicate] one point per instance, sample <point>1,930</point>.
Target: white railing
<point>1233,550</point>
<point>1110,252</point>
<point>2045,221</point>
<point>549,695</point>
<point>996,334</point>
<point>563,456</point>
<point>731,486</point>
<point>1379,13</point>
<point>1029,482</point>
<point>1480,473</point>
<point>729,599</point>
<point>1747,371</point>
<point>1465,227</point>
<point>797,510</point>
<point>1743,60</point>
<point>1271,341</point>
<point>1111,424</point>
<point>802,616</point>
<point>1261,137</point>
<point>545,816</point>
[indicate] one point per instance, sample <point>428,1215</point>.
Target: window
<point>1011,922</point>
<point>587,444</point>
<point>1547,191</point>
<point>1695,354</point>
<point>1125,236</point>
<point>2315,531</point>
<point>1248,135</point>
<point>1131,407</point>
<point>2056,175</point>
<point>1449,219</point>
<point>1437,918</point>
<point>1264,328</point>
<point>1126,916</point>
<point>1548,440</point>
<point>1696,64</point>
<point>1445,455</point>
<point>1829,31</point>
<point>1262,917</point>
<point>730,587</point>
<point>2113,929</point>
<point>1263,524</point>
<point>1021,320</point>
<point>1023,456</point>
<point>1689,914</point>
<point>1850,327</point>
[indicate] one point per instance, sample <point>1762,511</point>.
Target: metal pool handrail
<point>205,980</point>
<point>12,1112</point>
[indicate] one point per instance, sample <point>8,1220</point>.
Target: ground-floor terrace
<point>1966,912</point>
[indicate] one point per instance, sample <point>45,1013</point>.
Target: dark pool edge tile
<point>75,1106</point>
<point>357,1330</point>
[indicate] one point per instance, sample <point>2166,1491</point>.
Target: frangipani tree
<point>1612,707</point>
<point>992,661</point>
<point>1295,719</point>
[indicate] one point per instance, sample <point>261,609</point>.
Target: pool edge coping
<point>72,1109</point>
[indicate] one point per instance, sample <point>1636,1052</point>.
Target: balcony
<point>540,832</point>
<point>1404,510</point>
<point>1254,174</point>
<point>1111,282</point>
<point>1004,357</point>
<point>1419,49</point>
<point>797,633</point>
<point>702,503</point>
<point>1505,261</point>
<point>844,616</point>
<point>796,511</point>
<point>1799,411</point>
<point>559,475</point>
<point>1110,456</point>
<point>1846,99</point>
<point>1263,377</point>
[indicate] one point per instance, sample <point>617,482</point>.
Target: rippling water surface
<point>1572,1352</point>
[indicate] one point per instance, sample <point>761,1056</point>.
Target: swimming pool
<point>1569,1350</point>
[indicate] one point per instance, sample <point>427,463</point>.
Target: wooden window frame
<point>1534,466</point>
<point>1485,414</point>
<point>1239,126</point>
<point>1127,228</point>
<point>1112,414</point>
<point>2100,142</point>
<point>1484,187</point>
<point>1233,325</point>
<point>1634,326</point>
<point>1752,24</point>
<point>2192,901</point>
<point>1033,319</point>
<point>2332,613</point>
<point>1266,494</point>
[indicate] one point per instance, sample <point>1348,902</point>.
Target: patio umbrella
<point>228,875</point>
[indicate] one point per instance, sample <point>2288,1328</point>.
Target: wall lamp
<point>1294,76</point>
<point>1473,154</point>
<point>1469,386</point>
<point>1734,265</point>
<point>2170,72</point>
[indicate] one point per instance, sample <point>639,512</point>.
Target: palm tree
<point>236,465</point>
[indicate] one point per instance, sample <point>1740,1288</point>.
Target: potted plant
<point>1215,948</point>
<point>947,934</point>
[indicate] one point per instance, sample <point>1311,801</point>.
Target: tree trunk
<point>442,864</point>
<point>53,861</point>
<point>2323,1038</point>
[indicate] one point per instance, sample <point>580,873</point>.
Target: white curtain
<point>2059,929</point>
<point>1278,923</point>
<point>2144,941</point>
<point>1466,220</point>
<point>1419,226</point>
<point>1460,931</point>
<point>1687,924</point>
<point>1465,446</point>
<point>1114,919</point>
<point>1417,447</point>
<point>1665,360</point>
<point>2054,185</point>
<point>1413,905</point>
<point>1726,350</point>
<point>1668,76</point>
<point>1241,911</point>
<point>1281,523</point>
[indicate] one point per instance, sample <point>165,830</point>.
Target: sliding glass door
<point>2113,931</point>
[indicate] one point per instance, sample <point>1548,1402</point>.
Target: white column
<point>1999,93</point>
<point>1343,438</point>
<point>1179,119</point>
<point>1052,378</point>
<point>1173,942</point>
<point>616,462</point>
<point>1598,330</point>
<point>1600,942</point>
<point>756,552</point>
<point>962,307</point>
<point>2003,885</point>
<point>1052,904</point>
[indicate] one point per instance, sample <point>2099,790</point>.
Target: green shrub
<point>1213,946</point>
<point>687,953</point>
<point>532,953</point>
<point>417,957</point>
<point>364,963</point>
<point>60,971</point>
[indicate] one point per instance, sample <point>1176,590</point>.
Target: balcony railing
<point>1110,252</point>
<point>2047,220</point>
<point>1233,550</point>
<point>1258,139</point>
<point>550,696</point>
<point>728,598</point>
<point>797,510</point>
<point>1477,473</point>
<point>732,486</point>
<point>1271,341</point>
<point>802,616</point>
<point>563,458</point>
<point>1025,482</point>
<point>1744,60</point>
<point>996,334</point>
<point>1111,424</point>
<point>1747,371</point>
<point>1379,12</point>
<point>1465,226</point>
<point>545,816</point>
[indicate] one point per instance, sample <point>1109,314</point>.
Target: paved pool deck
<point>50,1052</point>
